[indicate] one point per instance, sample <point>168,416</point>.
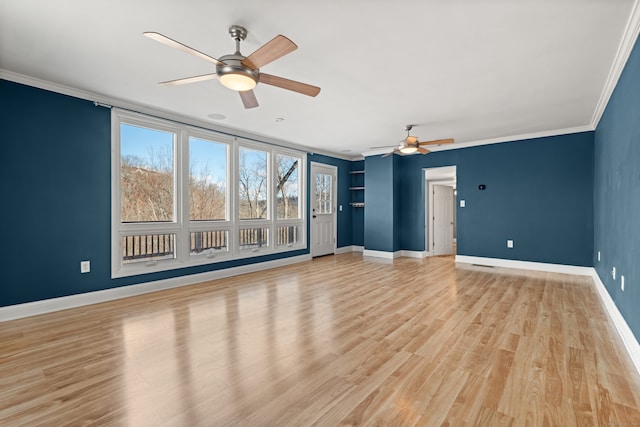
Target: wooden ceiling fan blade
<point>276,48</point>
<point>187,80</point>
<point>248,99</point>
<point>183,47</point>
<point>292,85</point>
<point>423,150</point>
<point>437,142</point>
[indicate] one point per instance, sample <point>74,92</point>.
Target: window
<point>208,204</point>
<point>207,180</point>
<point>287,187</point>
<point>288,207</point>
<point>147,179</point>
<point>252,184</point>
<point>323,194</point>
<point>147,189</point>
<point>186,196</point>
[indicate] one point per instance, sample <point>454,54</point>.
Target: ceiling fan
<point>411,145</point>
<point>242,73</point>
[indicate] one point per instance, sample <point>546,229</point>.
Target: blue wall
<point>56,176</point>
<point>539,193</point>
<point>397,204</point>
<point>379,203</point>
<point>617,193</point>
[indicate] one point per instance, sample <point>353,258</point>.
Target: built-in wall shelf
<point>357,189</point>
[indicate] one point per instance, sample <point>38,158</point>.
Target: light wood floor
<point>335,341</point>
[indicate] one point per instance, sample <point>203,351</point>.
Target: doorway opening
<point>440,211</point>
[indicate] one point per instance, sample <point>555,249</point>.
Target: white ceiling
<point>468,69</point>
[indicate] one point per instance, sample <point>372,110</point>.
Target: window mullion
<point>182,174</point>
<point>273,214</point>
<point>234,206</point>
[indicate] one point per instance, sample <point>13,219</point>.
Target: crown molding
<point>109,101</point>
<point>629,37</point>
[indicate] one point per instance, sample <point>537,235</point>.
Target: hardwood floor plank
<point>339,340</point>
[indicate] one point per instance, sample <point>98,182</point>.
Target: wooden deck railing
<point>149,247</point>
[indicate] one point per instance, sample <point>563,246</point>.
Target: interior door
<point>323,210</point>
<point>442,220</point>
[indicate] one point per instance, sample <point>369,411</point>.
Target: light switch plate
<point>462,203</point>
<point>85,266</point>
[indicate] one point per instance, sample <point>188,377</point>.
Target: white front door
<point>442,220</point>
<point>323,210</point>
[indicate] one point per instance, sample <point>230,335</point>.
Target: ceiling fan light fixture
<point>236,76</point>
<point>238,81</point>
<point>408,149</point>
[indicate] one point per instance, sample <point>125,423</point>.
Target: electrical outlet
<point>510,243</point>
<point>622,282</point>
<point>598,255</point>
<point>85,266</point>
<point>613,273</point>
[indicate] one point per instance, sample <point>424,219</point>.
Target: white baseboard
<point>55,304</point>
<point>413,254</point>
<point>628,338</point>
<point>526,265</point>
<point>348,249</point>
<point>393,255</point>
<point>381,254</point>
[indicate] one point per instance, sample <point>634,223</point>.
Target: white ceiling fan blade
<point>183,47</point>
<point>187,80</point>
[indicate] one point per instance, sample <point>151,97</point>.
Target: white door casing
<point>323,209</point>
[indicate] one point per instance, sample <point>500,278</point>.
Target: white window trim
<point>181,226</point>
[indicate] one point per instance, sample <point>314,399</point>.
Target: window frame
<point>208,225</point>
<point>182,226</point>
